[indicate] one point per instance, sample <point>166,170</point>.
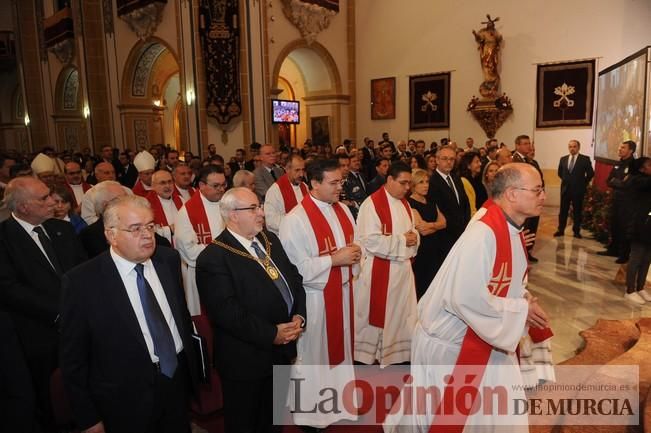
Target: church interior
<point>188,74</point>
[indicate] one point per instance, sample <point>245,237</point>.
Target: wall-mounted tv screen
<point>284,111</point>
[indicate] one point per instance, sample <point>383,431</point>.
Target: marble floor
<point>575,286</point>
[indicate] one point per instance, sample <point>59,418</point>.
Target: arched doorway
<point>69,121</point>
<point>152,109</point>
<point>309,74</point>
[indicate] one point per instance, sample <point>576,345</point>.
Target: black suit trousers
<point>248,406</point>
<point>170,412</point>
<point>576,200</point>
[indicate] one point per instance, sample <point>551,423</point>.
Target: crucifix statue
<point>489,40</point>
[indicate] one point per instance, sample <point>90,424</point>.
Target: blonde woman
<point>428,220</point>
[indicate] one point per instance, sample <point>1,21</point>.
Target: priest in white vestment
<point>385,299</point>
<point>197,224</point>
<point>285,193</point>
<point>318,237</point>
<point>476,310</point>
<point>165,203</point>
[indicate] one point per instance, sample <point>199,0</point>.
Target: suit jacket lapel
<point>262,275</point>
<point>32,251</point>
<point>116,291</point>
<point>168,283</point>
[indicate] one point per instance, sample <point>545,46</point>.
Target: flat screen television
<point>284,111</point>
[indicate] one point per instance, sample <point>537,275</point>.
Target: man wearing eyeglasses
<point>475,312</point>
<point>446,191</point>
<point>197,224</point>
<point>255,300</point>
<point>35,251</point>
<point>385,296</point>
<point>165,203</point>
<point>126,354</point>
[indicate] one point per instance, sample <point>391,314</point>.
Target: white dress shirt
<point>445,179</point>
<point>127,272</point>
<point>29,228</point>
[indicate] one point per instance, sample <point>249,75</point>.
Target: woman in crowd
<point>428,220</point>
<point>470,171</point>
<point>417,161</point>
<point>639,231</point>
<point>63,207</point>
<point>489,174</point>
<point>431,163</point>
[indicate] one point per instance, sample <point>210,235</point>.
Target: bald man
<point>35,251</point>
<point>268,172</point>
<point>103,171</point>
<point>165,203</point>
<point>466,318</point>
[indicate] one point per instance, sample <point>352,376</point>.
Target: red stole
<point>289,197</point>
<point>332,293</point>
<point>199,219</point>
<point>84,186</point>
<point>190,191</point>
<point>381,267</point>
<point>475,352</point>
<point>157,207</point>
<point>139,189</point>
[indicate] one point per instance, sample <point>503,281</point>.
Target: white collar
<point>443,175</point>
<point>207,202</point>
<point>29,227</point>
<point>321,204</point>
<point>125,266</point>
<point>246,243</point>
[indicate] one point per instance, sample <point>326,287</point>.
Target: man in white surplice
<point>318,350</point>
<point>385,299</point>
<point>197,224</point>
<point>464,302</point>
<point>284,193</point>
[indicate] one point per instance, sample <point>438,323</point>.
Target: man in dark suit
<point>127,174</point>
<point>381,170</point>
<point>17,410</point>
<point>92,237</point>
<point>355,185</point>
<point>620,245</point>
<point>127,355</point>
<point>35,251</point>
<point>255,300</point>
<point>446,191</point>
<point>524,152</point>
<point>268,172</point>
<point>575,171</point>
<point>240,162</point>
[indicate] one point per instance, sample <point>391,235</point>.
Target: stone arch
<point>316,70</point>
<point>68,95</point>
<point>143,59</point>
<point>147,112</point>
<point>309,57</point>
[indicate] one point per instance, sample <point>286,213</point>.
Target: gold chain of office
<point>266,262</point>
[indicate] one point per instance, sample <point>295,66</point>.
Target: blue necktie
<point>279,282</point>
<point>164,346</point>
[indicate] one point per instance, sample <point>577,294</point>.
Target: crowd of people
<point>308,257</point>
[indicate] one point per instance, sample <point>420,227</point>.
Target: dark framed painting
<point>383,98</point>
<point>622,91</point>
<point>320,127</point>
<point>565,94</point>
<point>429,101</point>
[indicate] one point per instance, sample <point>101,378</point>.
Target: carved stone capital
<point>64,51</point>
<point>309,19</point>
<point>144,21</point>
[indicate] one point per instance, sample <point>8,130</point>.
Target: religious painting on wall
<point>429,101</point>
<point>565,94</point>
<point>383,98</point>
<point>320,127</point>
<point>620,107</point>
